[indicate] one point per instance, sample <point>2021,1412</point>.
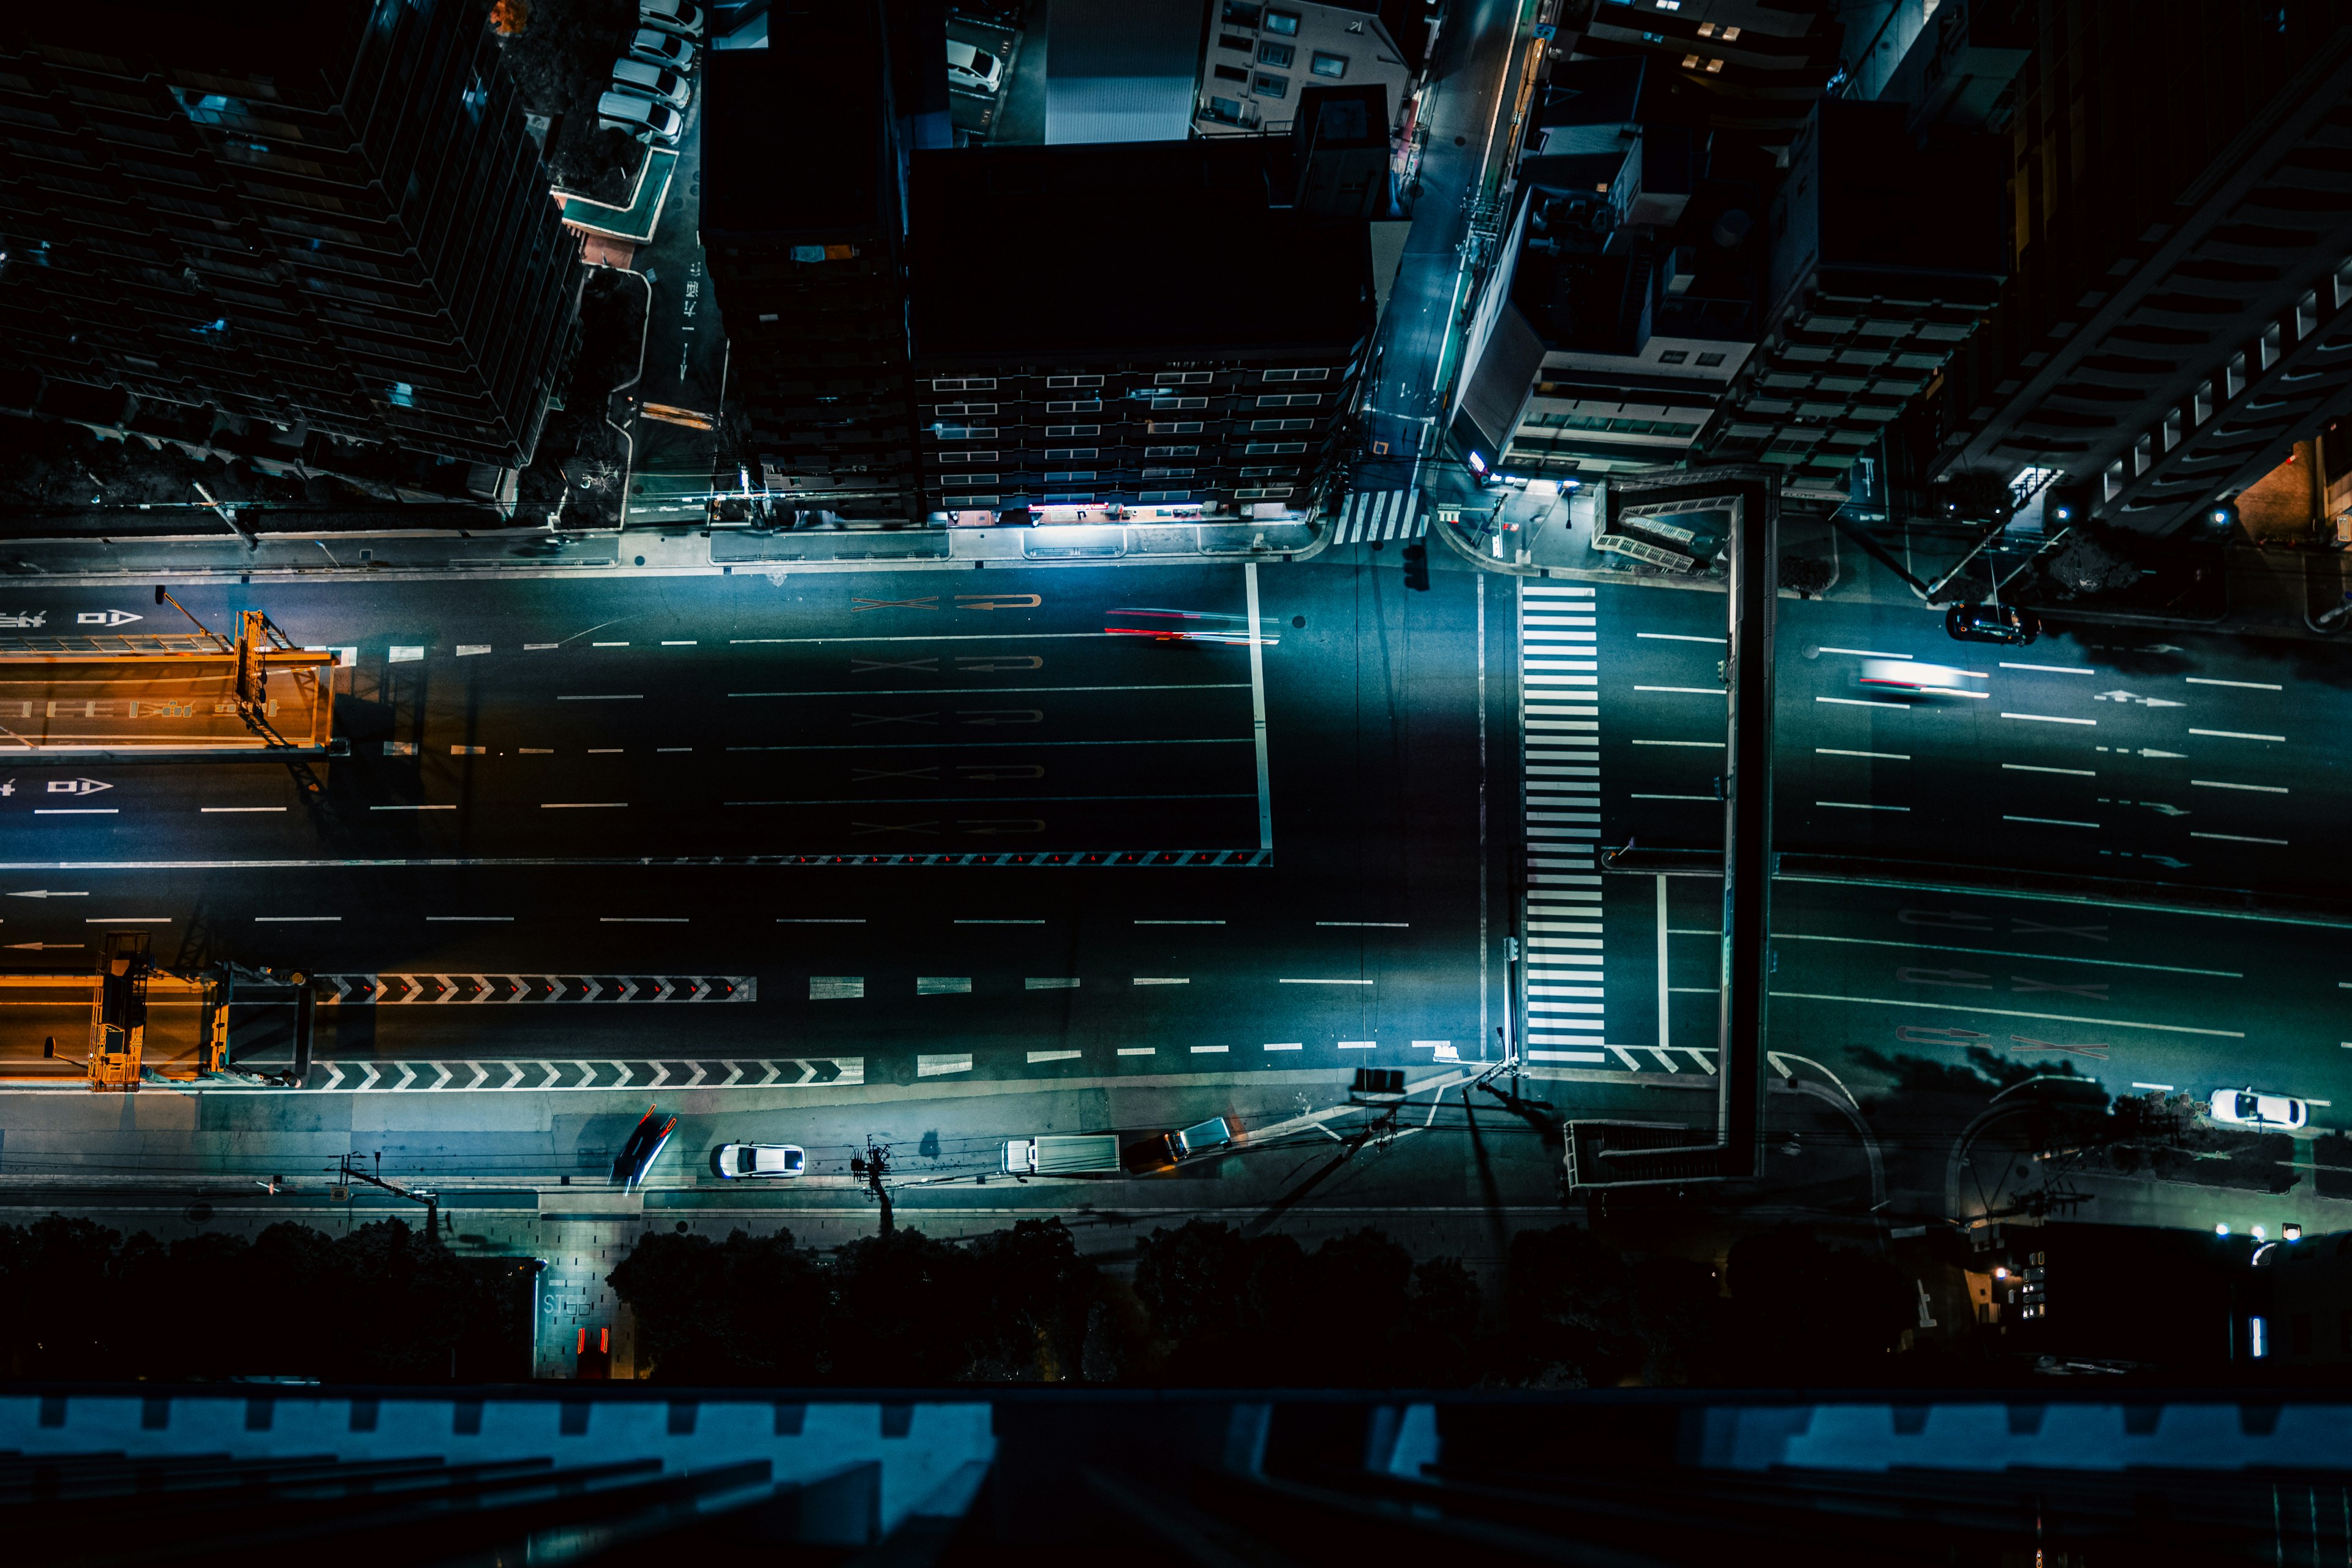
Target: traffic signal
<point>1416,566</point>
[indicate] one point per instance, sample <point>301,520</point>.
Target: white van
<point>640,117</point>
<point>974,71</point>
<point>662,86</point>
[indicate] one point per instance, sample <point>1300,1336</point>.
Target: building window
<point>403,395</point>
<point>1296,375</point>
<point>964,432</point>
<point>1690,62</point>
<point>1273,54</point>
<point>1226,109</point>
<point>1267,472</point>
<point>1290,399</point>
<point>1282,425</point>
<point>1070,476</point>
<point>1075,406</point>
<point>1074,381</point>
<point>969,503</point>
<point>1242,13</point>
<point>1329,65</point>
<point>1076,497</point>
<point>1165,495</point>
<point>966,408</point>
<point>1167,473</point>
<point>1271,86</point>
<point>1171,451</point>
<point>1273,448</point>
<point>1674,356</point>
<point>1284,23</point>
<point>1160,405</point>
<point>1715,68</point>
<point>1235,41</point>
<point>951,382</point>
<point>1071,454</point>
<point>967,479</point>
<point>1051,431</point>
<point>1184,377</point>
<point>1710,360</point>
<point>1174,427</point>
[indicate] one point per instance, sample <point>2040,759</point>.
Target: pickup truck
<point>1061,1156</point>
<point>1163,1150</point>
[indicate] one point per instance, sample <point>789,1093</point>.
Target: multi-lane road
<point>2157,768</point>
<point>933,823</point>
<point>923,833</point>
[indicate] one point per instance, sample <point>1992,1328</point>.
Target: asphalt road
<point>2158,756</point>
<point>2153,758</point>
<point>1405,400</point>
<point>669,770</point>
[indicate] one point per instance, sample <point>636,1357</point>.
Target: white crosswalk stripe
<point>1560,756</point>
<point>1381,514</point>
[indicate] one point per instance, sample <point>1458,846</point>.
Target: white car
<point>662,86</point>
<point>2244,1108</point>
<point>640,117</point>
<point>687,18</point>
<point>1916,677</point>
<point>656,47</point>
<point>974,71</point>
<point>734,1160</point>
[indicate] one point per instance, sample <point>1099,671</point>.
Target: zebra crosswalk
<point>1559,684</point>
<point>1379,514</point>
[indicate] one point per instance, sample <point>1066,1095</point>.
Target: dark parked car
<point>1162,1151</point>
<point>1992,623</point>
<point>636,1155</point>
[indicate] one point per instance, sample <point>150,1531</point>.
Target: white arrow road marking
<point>701,1069</point>
<point>481,1075</point>
<point>549,1068</point>
<point>514,1075</point>
<point>443,1069</point>
<point>587,1073</point>
<point>661,1075</point>
<point>334,1077</point>
<point>408,1075</point>
<point>734,1072</point>
<point>773,1069</point>
<point>370,1068</point>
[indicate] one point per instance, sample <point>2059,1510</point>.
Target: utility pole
<point>874,1166</point>
<point>426,1195</point>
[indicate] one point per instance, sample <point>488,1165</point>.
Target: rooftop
<point>787,150</point>
<point>1116,248</point>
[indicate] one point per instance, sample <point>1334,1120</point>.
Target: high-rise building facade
<point>325,216</point>
<point>803,231</point>
<point>2179,206</point>
<point>1074,345</point>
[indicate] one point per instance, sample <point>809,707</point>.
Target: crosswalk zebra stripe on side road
<point>1561,822</point>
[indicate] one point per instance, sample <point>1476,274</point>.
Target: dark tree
<point>1807,1312</point>
<point>1031,1301</point>
<point>900,1311</point>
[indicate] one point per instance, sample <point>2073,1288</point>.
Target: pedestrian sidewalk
<point>398,556</point>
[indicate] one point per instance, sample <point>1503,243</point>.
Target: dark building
<point>1749,66</point>
<point>1886,253</point>
<point>321,219</point>
<point>1131,324</point>
<point>1626,296</point>
<point>2179,201</point>
<point>803,229</point>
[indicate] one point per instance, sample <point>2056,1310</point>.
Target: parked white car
<point>661,86</point>
<point>687,18</point>
<point>973,69</point>
<point>657,47</point>
<point>737,1160</point>
<point>2244,1108</point>
<point>640,117</point>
